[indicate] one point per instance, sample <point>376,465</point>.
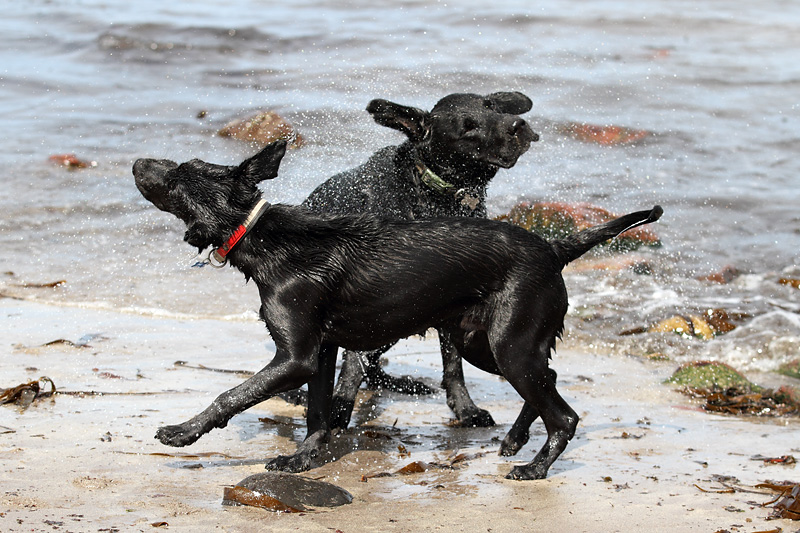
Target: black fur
<point>360,282</point>
<point>464,140</point>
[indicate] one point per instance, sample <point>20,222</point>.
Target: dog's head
<point>210,199</point>
<point>464,132</point>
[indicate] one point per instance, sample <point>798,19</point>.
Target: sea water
<point>716,85</point>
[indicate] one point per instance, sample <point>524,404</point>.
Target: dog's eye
<point>489,104</point>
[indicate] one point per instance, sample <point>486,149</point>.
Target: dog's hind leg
<point>536,385</point>
<point>320,393</point>
<point>520,431</point>
<point>350,379</point>
<point>521,340</point>
<point>458,398</point>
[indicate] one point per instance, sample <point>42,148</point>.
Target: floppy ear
<point>512,103</point>
<point>409,120</point>
<point>264,165</point>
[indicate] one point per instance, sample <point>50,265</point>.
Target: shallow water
<point>717,85</point>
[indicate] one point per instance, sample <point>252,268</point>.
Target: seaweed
<point>744,401</point>
<point>417,467</point>
<point>25,394</point>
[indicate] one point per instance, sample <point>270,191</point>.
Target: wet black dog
<point>360,282</point>
<point>442,170</point>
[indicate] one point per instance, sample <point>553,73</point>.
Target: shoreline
<point>90,463</point>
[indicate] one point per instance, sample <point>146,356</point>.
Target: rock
<point>704,327</point>
<point>71,161</point>
<point>261,129</point>
<point>726,275</point>
<point>706,374</point>
<point>790,282</point>
<point>637,265</point>
<point>605,135</point>
<point>791,369</point>
<point>555,220</point>
<point>279,491</point>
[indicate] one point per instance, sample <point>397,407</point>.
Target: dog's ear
<point>409,120</point>
<point>512,103</point>
<point>264,165</point>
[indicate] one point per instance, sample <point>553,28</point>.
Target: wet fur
<point>465,138</point>
<point>360,282</point>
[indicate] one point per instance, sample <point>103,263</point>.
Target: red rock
<point>71,161</point>
<point>726,275</point>
<point>261,129</point>
<point>790,282</point>
<point>605,135</point>
<point>555,220</point>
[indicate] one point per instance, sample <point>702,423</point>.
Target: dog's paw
<point>299,462</point>
<point>479,418</point>
<point>180,435</point>
<point>527,472</point>
<point>511,445</point>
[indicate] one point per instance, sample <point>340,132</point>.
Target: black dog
<point>361,282</point>
<point>442,170</point>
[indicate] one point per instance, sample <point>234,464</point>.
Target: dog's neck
<point>220,255</point>
<point>467,196</point>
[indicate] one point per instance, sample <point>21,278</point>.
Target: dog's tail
<point>577,244</point>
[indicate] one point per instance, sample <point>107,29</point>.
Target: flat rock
<point>262,129</point>
<point>291,490</point>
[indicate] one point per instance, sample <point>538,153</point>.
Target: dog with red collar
<point>359,282</point>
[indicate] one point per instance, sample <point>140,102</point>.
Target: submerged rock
<point>704,327</point>
<point>71,161</point>
<point>791,282</point>
<point>262,129</point>
<point>605,135</point>
<point>555,220</point>
<point>279,491</point>
<point>726,275</point>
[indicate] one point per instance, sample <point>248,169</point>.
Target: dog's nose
<point>139,167</point>
<point>520,128</point>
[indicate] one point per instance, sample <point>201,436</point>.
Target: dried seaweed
<point>181,455</point>
<point>25,393</point>
<point>185,364</point>
<point>744,401</point>
<point>48,285</point>
<point>788,505</point>
<point>418,467</point>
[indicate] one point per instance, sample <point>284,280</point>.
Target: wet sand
<point>91,464</point>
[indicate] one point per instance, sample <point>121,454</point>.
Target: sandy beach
<point>644,458</point>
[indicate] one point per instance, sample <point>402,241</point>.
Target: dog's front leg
<point>283,373</point>
<point>318,417</point>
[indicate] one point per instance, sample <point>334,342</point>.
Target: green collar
<point>432,180</point>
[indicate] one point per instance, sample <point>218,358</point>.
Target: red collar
<point>220,255</point>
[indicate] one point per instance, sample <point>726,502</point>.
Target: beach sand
<point>638,462</point>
